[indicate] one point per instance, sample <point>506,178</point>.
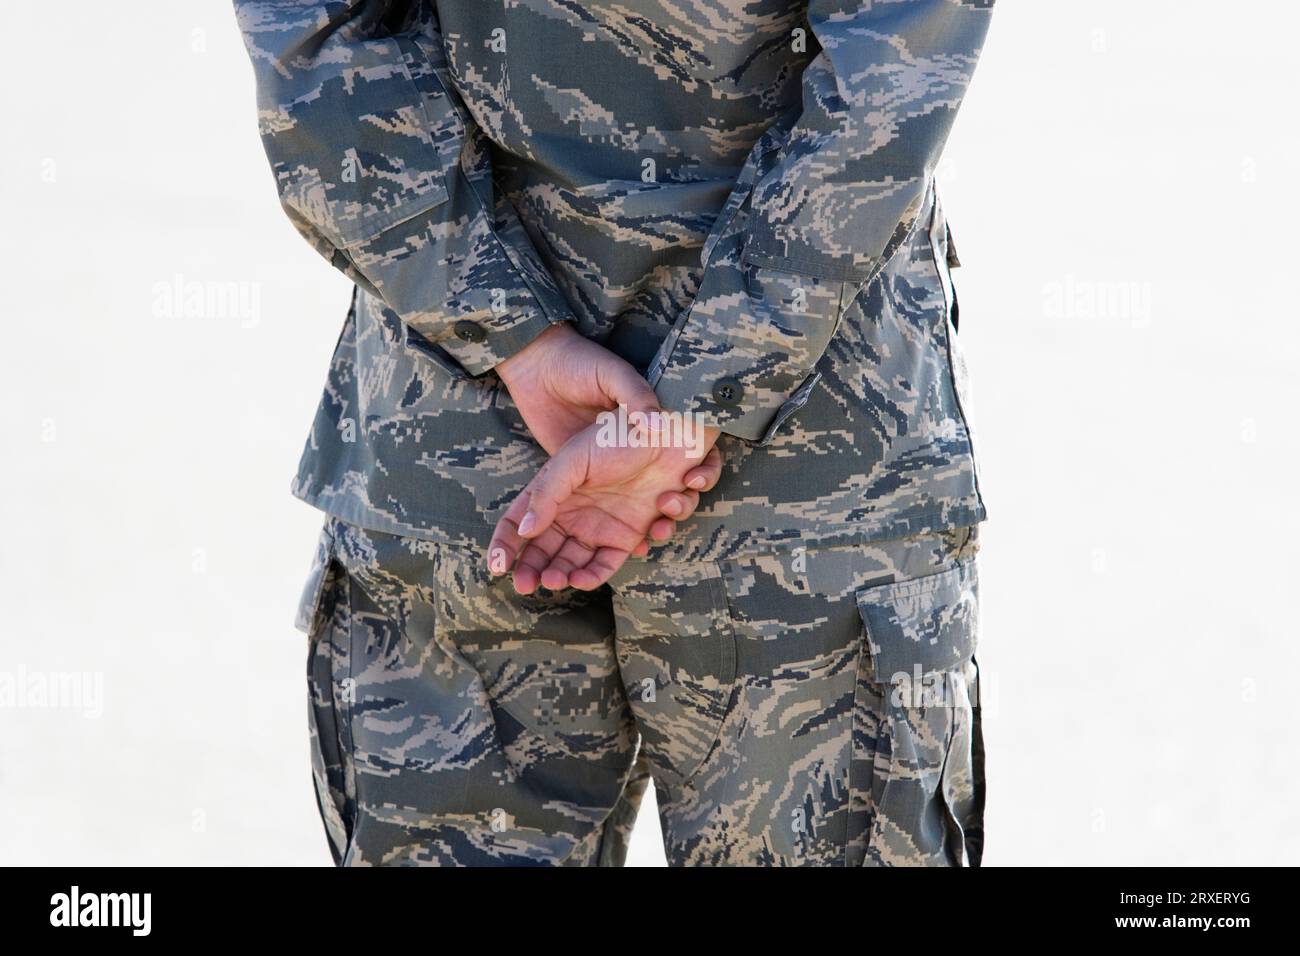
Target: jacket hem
<point>701,540</point>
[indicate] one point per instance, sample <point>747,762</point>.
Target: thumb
<point>558,478</point>
<point>622,385</point>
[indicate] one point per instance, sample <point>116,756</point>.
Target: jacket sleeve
<point>382,169</point>
<point>826,197</point>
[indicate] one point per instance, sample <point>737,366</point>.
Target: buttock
<point>811,707</point>
<point>800,707</point>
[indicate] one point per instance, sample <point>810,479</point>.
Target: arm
<point>825,199</point>
<point>382,169</point>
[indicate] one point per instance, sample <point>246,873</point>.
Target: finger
<point>642,549</point>
<point>558,478</point>
<point>526,579</point>
<point>528,572</point>
<point>621,383</point>
<point>672,504</point>
<point>572,555</point>
<point>536,556</point>
<point>500,557</point>
<point>506,543</point>
<point>662,529</point>
<point>705,475</point>
<point>602,566</point>
<point>678,505</point>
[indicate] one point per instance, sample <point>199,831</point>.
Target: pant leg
<point>810,708</point>
<point>456,722</point>
<point>617,836</point>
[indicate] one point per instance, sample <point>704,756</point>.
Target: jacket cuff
<point>481,345</point>
<point>743,356</point>
<point>460,291</point>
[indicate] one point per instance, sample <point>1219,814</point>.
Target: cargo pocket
<point>917,765</point>
<point>676,650</point>
<point>325,613</point>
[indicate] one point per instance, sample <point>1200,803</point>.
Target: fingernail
<point>673,508</point>
<point>526,525</point>
<point>697,483</point>
<point>497,563</point>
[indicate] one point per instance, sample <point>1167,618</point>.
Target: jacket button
<point>468,331</point>
<point>727,391</point>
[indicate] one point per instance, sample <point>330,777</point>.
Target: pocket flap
<point>921,626</point>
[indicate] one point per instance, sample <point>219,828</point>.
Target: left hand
<point>561,381</point>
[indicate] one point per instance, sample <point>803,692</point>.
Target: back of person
<point>732,205</point>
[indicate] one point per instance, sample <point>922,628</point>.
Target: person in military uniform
<point>718,217</point>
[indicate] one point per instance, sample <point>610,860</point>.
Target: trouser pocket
<point>327,615</point>
<point>677,658</point>
<point>917,768</point>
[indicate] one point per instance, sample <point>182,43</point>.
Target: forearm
<point>825,200</point>
<point>382,169</point>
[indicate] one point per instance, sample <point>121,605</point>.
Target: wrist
<point>509,368</point>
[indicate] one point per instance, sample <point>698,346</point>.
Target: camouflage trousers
<point>814,707</point>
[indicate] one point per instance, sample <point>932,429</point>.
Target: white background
<point>1122,188</point>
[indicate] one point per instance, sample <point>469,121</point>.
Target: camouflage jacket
<point>734,195</point>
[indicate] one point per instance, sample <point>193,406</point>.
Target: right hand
<point>591,507</point>
<point>562,380</point>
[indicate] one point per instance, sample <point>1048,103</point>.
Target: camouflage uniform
<point>737,197</point>
<point>800,708</point>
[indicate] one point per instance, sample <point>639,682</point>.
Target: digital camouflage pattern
<point>737,197</point>
<point>727,193</point>
<point>806,708</point>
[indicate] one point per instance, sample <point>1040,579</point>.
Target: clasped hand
<point>594,503</point>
